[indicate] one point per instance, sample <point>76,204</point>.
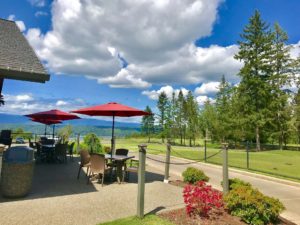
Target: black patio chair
<point>71,146</point>
<point>5,137</point>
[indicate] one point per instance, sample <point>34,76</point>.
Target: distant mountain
<point>17,119</point>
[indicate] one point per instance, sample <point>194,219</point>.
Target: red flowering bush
<point>200,199</point>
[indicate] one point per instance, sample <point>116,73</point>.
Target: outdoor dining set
<point>51,150</point>
<point>98,165</point>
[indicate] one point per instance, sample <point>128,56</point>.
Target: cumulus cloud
<point>207,88</point>
<point>169,90</point>
<point>124,79</point>
<point>28,103</point>
<point>202,99</point>
<point>20,23</point>
<point>155,37</point>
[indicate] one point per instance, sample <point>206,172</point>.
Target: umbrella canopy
<point>46,122</point>
<point>111,109</point>
<point>53,115</point>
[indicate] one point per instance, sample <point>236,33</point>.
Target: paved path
<point>58,198</point>
<point>287,193</point>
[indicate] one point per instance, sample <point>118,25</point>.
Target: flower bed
<point>217,216</point>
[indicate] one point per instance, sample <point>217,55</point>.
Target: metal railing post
<point>225,169</point>
<point>167,165</point>
<point>141,180</point>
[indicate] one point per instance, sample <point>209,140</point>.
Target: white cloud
<point>61,103</point>
<point>207,88</point>
<point>124,79</point>
<point>19,98</point>
<point>202,99</point>
<point>155,37</point>
<point>153,94</point>
<point>20,23</point>
<point>11,17</point>
<point>38,3</point>
<point>40,13</point>
<point>27,103</point>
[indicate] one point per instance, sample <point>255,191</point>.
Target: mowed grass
<point>147,220</point>
<point>279,163</point>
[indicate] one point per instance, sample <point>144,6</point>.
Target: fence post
<point>167,165</point>
<point>225,169</point>
<point>141,180</point>
<point>205,150</point>
<point>247,149</point>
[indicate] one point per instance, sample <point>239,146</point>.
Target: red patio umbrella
<point>111,109</point>
<point>53,115</point>
<point>47,122</point>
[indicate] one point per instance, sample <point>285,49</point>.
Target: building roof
<point>17,58</point>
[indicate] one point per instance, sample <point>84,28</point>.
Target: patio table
<point>120,161</point>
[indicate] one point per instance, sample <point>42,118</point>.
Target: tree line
<point>261,108</point>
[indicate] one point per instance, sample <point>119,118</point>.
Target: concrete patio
<point>57,197</point>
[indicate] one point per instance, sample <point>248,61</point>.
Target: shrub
<point>93,143</point>
<point>252,206</point>
<point>201,198</point>
<point>235,182</point>
<point>192,175</point>
<point>107,149</point>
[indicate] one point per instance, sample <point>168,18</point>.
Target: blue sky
<point>87,48</point>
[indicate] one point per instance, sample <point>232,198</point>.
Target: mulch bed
<point>217,217</point>
<point>220,217</point>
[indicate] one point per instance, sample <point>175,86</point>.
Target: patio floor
<point>57,197</point>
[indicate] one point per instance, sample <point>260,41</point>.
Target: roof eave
<point>23,75</point>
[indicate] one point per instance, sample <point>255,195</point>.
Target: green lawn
<point>276,162</point>
<point>148,220</point>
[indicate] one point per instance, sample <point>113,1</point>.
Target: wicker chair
<point>98,167</point>
<point>122,151</point>
<point>84,161</point>
<point>119,151</point>
<point>132,167</point>
<point>61,152</point>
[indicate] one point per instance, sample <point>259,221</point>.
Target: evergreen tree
<point>162,107</point>
<point>297,115</point>
<point>282,76</point>
<point>148,123</point>
<point>223,109</point>
<point>208,120</point>
<point>254,89</point>
<point>179,119</point>
<point>192,117</point>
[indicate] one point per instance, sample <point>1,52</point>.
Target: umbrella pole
<point>45,129</point>
<point>113,137</point>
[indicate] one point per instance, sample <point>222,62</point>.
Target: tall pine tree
<point>162,105</point>
<point>255,52</point>
<point>148,123</point>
